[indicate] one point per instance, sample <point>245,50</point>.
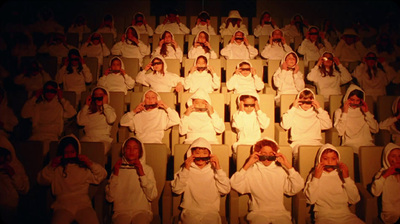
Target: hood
<point>394,105</point>
<point>197,36</point>
<point>151,90</point>
<point>388,148</point>
<point>208,61</point>
<point>139,13</point>
<point>138,34</point>
<point>163,60</point>
<point>75,138</point>
<point>233,14</point>
<point>90,37</point>
<point>266,138</point>
<point>200,142</point>
<point>241,31</point>
<point>250,94</point>
<point>349,31</point>
<point>298,95</point>
<point>141,159</point>
<point>199,94</point>
<point>172,35</point>
<point>298,14</point>
<point>312,27</point>
<point>237,66</point>
<point>333,55</point>
<point>283,33</point>
<point>322,149</point>
<point>284,58</point>
<point>122,62</point>
<point>351,88</point>
<point>105,89</point>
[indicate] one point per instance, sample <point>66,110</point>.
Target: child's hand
<point>390,171</point>
<point>162,105</point>
<point>315,104</point>
<point>179,87</point>
<point>162,41</point>
<point>320,61</point>
<point>38,93</point>
<point>214,162</point>
<point>148,66</point>
<point>284,66</point>
<point>122,72</point>
<point>283,40</point>
<point>165,20</point>
<point>232,40</point>
<point>296,103</point>
<point>89,100</point>
<point>256,106</point>
<point>238,71</point>
<point>189,162</point>
<point>252,159</point>
<point>105,99</point>
<point>189,110</point>
<point>86,160</point>
<point>174,43</point>
<point>207,44</point>
<point>123,37</point>
<point>117,166</point>
<point>210,109</point>
<point>138,167</point>
<point>364,106</point>
<point>296,69</point>
<point>336,60</point>
<point>194,68</point>
<point>81,60</point>
<point>134,39</point>
<point>56,161</point>
<point>344,169</point>
<point>318,170</point>
<point>8,169</point>
<point>108,71</point>
<point>282,160</point>
<point>139,108</point>
<point>346,106</point>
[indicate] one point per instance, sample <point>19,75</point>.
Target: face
<point>131,34</point>
<point>108,22</point>
<point>49,92</point>
<point>116,65</point>
<point>313,34</point>
<point>139,20</point>
<point>370,60</point>
<point>249,104</point>
<point>69,152</point>
<point>354,100</point>
<point>329,62</point>
<point>199,103</point>
<point>168,38</point>
<point>172,17</point>
<point>305,106</point>
<point>98,93</point>
<point>291,60</point>
<point>394,157</point>
<point>201,152</point>
<point>277,34</point>
<point>267,151</point>
<point>150,98</point>
<point>74,60</point>
<point>96,39</point>
<point>157,65</point>
<point>239,37</point>
<point>349,39</point>
<point>202,38</point>
<point>201,63</point>
<point>267,17</point>
<point>245,70</point>
<point>329,158</point>
<point>132,151</point>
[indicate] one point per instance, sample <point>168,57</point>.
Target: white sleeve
<point>148,184</point>
<point>188,82</point>
<point>311,190</point>
<point>179,54</point>
<point>117,48</point>
<point>288,118</point>
<point>129,81</point>
<point>106,51</point>
<point>98,174</point>
<point>144,49</point>
<point>231,83</point>
<point>378,184</point>
<point>218,123</point>
<point>372,123</point>
<point>253,52</point>
<point>262,119</point>
<point>109,112</point>
<point>339,49</point>
<point>222,182</point>
<point>303,47</point>
<point>69,110</point>
<point>238,121</point>
<point>314,74</point>
<point>180,181</point>
<point>216,81</point>
<point>324,119</point>
<point>159,29</point>
<point>258,83</point>
<point>141,78</point>
<point>111,188</point>
<point>345,75</point>
<point>340,120</point>
<point>83,116</point>
<point>172,118</point>
<point>299,81</point>
<point>227,51</point>
<point>277,78</point>
<point>386,124</point>
<point>46,175</point>
<point>265,51</point>
<point>127,120</point>
<point>351,190</point>
<point>240,183</point>
<point>184,125</point>
<point>183,28</point>
<point>293,183</point>
<point>87,74</point>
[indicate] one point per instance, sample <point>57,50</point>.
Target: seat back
<point>132,67</point>
<point>384,107</point>
<point>262,41</point>
<point>174,66</point>
<point>30,154</point>
<point>370,163</point>
<point>93,65</point>
<point>273,65</point>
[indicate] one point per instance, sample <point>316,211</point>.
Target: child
<point>239,47</point>
<point>328,75</point>
<point>330,189</point>
<point>115,78</point>
<point>314,45</point>
<point>373,76</point>
<point>13,182</point>
<point>385,48</point>
<point>202,182</point>
<point>46,23</point>
<point>233,23</point>
<point>160,80</point>
<point>288,77</point>
<point>392,124</point>
<point>47,109</point>
<point>168,48</point>
<point>172,23</point>
<point>267,176</point>
<point>245,79</point>
<point>306,119</point>
<point>150,118</point>
<point>131,46</point>
<point>277,48</point>
<point>387,184</point>
<point>202,76</point>
<point>249,120</point>
<point>201,46</point>
<point>203,24</point>
<point>79,26</point>
<point>95,47</point>
<point>132,186</point>
<point>70,174</point>
<point>107,26</point>
<point>266,26</point>
<point>97,117</point>
<point>296,29</point>
<point>8,120</point>
<point>330,32</point>
<point>353,121</point>
<point>200,119</point>
<point>140,24</point>
<point>350,49</point>
<point>56,45</point>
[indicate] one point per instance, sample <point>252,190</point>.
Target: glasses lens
<point>249,105</point>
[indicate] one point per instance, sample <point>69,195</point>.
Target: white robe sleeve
<point>87,74</point>
<point>216,81</point>
<point>83,116</point>
<point>325,120</point>
<point>218,123</point>
<point>117,48</point>
<point>180,181</point>
<point>188,82</point>
<point>109,112</point>
<point>293,183</point>
<point>184,125</point>
<point>372,123</point>
<point>148,184</point>
<point>278,79</point>
<point>386,124</point>
<point>143,48</point>
<point>69,110</point>
<point>299,81</point>
<point>129,81</point>
<point>253,52</point>
<point>262,119</point>
<point>222,182</point>
<point>227,51</point>
<point>288,118</point>
<point>46,175</point>
<point>311,190</point>
<point>238,121</point>
<point>60,75</point>
<point>141,78</point>
<point>127,120</point>
<point>315,74</point>
<point>239,182</point>
<point>378,184</point>
<point>232,83</point>
<point>172,118</point>
<point>106,51</point>
<point>345,75</point>
<point>351,190</point>
<point>258,83</point>
<point>98,174</point>
<point>340,120</point>
<point>111,188</point>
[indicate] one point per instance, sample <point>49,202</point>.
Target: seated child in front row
<point>392,124</point>
<point>387,183</point>
<point>70,174</point>
<point>202,76</point>
<point>200,119</point>
<point>330,188</point>
<point>267,176</point>
<point>249,120</point>
<point>202,181</point>
<point>245,79</point>
<point>132,185</point>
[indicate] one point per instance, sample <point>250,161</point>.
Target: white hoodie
<point>75,81</point>
<point>390,123</point>
<point>277,50</point>
<point>157,81</point>
<point>175,28</point>
<point>97,126</point>
<point>144,28</point>
<point>202,80</point>
<point>194,52</point>
<point>130,192</point>
<point>389,188</point>
<point>239,51</point>
<point>331,195</point>
<point>310,51</point>
<point>106,29</point>
<point>200,124</point>
<point>71,192</point>
<point>264,29</point>
<point>231,29</point>
<point>99,51</point>
<point>305,125</point>
<point>117,82</point>
<point>350,53</point>
<point>241,84</point>
<point>202,187</point>
<point>33,82</point>
<point>149,125</point>
<point>172,53</point>
<point>355,127</point>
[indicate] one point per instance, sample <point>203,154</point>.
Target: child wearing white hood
<point>266,26</point>
<point>392,124</point>
<point>288,77</point>
<point>203,24</point>
<point>314,45</point>
<point>387,184</point>
<point>200,119</point>
<point>115,78</point>
<point>132,185</point>
<point>202,182</point>
<point>172,23</point>
<point>239,47</point>
<point>97,117</point>
<point>107,26</point>
<point>249,120</point>
<point>139,22</point>
<point>267,176</point>
<point>202,76</point>
<point>32,77</point>
<point>353,121</point>
<point>13,181</point>
<point>245,79</point>
<point>160,80</point>
<point>276,48</point>
<point>8,120</point>
<point>296,29</point>
<point>201,46</point>
<point>150,118</point>
<point>167,47</point>
<point>233,23</point>
<point>95,47</point>
<point>131,46</point>
<point>330,189</point>
<point>350,48</point>
<point>306,119</point>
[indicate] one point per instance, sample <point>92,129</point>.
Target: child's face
<point>291,60</point>
<point>116,65</point>
<point>132,151</point>
<point>370,59</point>
<point>130,34</point>
<point>329,62</point>
<point>267,151</point>
<point>139,20</point>
<point>98,94</point>
<point>172,17</point>
<point>168,38</point>
<point>199,103</point>
<point>329,158</point>
<point>69,152</point>
<point>354,100</point>
<point>394,157</point>
<point>150,98</point>
<point>96,39</point>
<point>202,38</point>
<point>245,70</point>
<point>201,63</point>
<point>305,106</point>
<point>239,36</point>
<point>157,65</point>
<point>201,152</point>
<point>74,60</point>
<point>249,105</point>
<point>49,92</point>
<point>313,34</point>
<point>277,34</point>
<point>349,39</point>
<point>267,17</point>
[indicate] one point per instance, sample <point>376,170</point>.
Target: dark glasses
<point>74,59</point>
<point>314,33</point>
<point>355,105</point>
<point>201,68</point>
<point>100,98</point>
<point>150,106</point>
<point>156,63</point>
<point>277,40</point>
<point>269,158</point>
<point>115,71</point>
<point>326,59</point>
<point>305,102</point>
<point>200,109</point>
<point>206,159</point>
<point>245,69</point>
<point>331,167</point>
<point>239,38</point>
<point>127,166</point>
<point>95,38</point>
<point>370,58</point>
<point>397,170</point>
<point>54,91</point>
<point>249,105</point>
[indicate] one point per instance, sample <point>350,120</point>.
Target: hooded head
<point>132,149</point>
<point>199,96</point>
<point>239,36</point>
<point>201,38</point>
<point>108,20</point>
<point>201,151</point>
<point>234,17</point>
<point>396,106</point>
<point>131,32</point>
<point>306,96</point>
<point>267,149</point>
<point>355,94</point>
<point>69,148</point>
<point>291,59</point>
<point>277,35</point>
<point>115,66</point>
<point>350,36</point>
<point>249,99</point>
<point>329,156</point>
<point>245,67</point>
<point>138,19</point>
<point>157,67</point>
<point>391,156</point>
<point>150,99</point>
<point>204,17</point>
<point>267,19</point>
<point>95,38</point>
<point>97,103</point>
<point>313,33</point>
<point>50,90</point>
<point>201,63</point>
